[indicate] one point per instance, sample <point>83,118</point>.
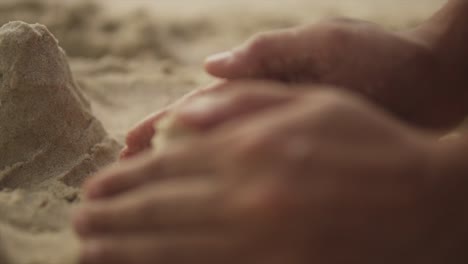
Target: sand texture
<point>49,143</point>
<point>128,59</point>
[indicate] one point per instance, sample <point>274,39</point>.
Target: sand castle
<point>49,143</point>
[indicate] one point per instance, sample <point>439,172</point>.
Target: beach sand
<point>63,117</point>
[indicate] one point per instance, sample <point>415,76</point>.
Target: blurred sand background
<point>132,57</point>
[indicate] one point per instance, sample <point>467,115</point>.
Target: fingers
<point>139,138</point>
<point>229,102</point>
<point>169,207</point>
<point>152,249</point>
<point>149,167</point>
<point>245,98</point>
<point>280,55</point>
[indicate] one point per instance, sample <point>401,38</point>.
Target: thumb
<point>274,55</point>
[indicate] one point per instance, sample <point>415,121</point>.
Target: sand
<point>50,142</point>
<point>63,117</point>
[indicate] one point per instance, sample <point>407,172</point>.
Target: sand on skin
<point>126,64</point>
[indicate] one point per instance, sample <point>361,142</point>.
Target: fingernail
<point>220,57</point>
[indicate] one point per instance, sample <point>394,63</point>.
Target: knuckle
<point>259,43</point>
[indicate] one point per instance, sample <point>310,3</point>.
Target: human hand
<point>401,71</point>
<point>138,139</point>
<point>317,177</point>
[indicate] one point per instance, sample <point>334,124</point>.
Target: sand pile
<point>49,142</point>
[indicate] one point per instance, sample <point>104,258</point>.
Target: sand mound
<point>49,143</point>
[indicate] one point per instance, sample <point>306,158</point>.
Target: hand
<point>401,71</point>
<point>138,140</point>
<point>319,177</point>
